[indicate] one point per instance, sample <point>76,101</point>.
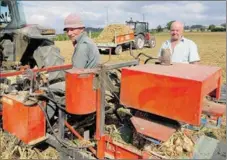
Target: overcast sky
<point>94,13</point>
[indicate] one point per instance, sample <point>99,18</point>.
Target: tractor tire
<point>152,42</point>
<point>139,41</point>
<point>118,50</point>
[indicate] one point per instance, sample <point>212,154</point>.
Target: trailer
<point>138,38</point>
<point>118,43</point>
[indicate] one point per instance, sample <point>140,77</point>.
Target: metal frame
<point>48,69</point>
<point>102,139</point>
<point>65,152</point>
<point>100,113</point>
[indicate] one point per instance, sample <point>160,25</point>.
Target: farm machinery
<point>142,34</point>
<point>22,43</point>
<point>139,36</point>
<point>158,99</point>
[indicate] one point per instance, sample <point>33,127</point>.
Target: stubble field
<point>211,46</point>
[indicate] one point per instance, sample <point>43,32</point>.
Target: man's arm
<point>193,55</point>
<point>80,58</point>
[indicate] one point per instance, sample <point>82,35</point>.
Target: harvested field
<point>108,33</point>
<point>211,46</point>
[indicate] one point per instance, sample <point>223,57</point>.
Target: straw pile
<point>12,148</point>
<point>108,33</point>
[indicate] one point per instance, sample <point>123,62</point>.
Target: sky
<point>100,13</point>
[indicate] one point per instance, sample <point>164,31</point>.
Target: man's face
<point>73,33</point>
<point>176,32</point>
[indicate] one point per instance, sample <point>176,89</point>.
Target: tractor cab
<point>11,15</point>
<point>138,27</point>
<point>142,34</point>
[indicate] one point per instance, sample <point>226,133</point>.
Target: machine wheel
<point>152,42</point>
<point>139,41</point>
<point>118,50</point>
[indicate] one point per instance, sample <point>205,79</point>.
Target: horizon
<point>97,14</point>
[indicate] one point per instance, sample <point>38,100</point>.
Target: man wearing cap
<point>86,53</point>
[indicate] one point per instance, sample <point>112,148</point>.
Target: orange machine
<point>25,122</point>
<point>81,97</point>
<point>174,91</point>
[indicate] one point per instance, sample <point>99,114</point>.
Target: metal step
<point>209,148</point>
<point>151,129</point>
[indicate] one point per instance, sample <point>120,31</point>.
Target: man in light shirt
<point>182,50</point>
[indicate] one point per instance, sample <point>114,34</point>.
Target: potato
<point>188,141</point>
<point>187,147</point>
<point>177,142</point>
<point>179,149</point>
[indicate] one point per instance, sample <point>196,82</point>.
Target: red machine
<point>175,92</point>
<point>25,122</point>
<point>81,98</point>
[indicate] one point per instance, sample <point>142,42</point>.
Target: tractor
<point>25,44</point>
<point>142,35</point>
<point>139,38</point>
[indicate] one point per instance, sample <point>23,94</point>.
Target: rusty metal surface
<point>214,109</point>
<point>117,150</point>
<point>25,122</point>
<point>78,136</point>
<point>48,69</point>
<point>152,129</point>
<point>174,91</point>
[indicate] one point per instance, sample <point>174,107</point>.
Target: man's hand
<point>165,57</point>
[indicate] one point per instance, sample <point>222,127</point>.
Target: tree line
<point>197,27</point>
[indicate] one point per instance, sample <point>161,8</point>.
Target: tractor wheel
<point>118,50</point>
<point>152,42</point>
<point>139,41</point>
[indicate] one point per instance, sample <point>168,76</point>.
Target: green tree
<point>168,25</point>
<point>211,27</point>
<point>202,29</point>
<point>159,28</point>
